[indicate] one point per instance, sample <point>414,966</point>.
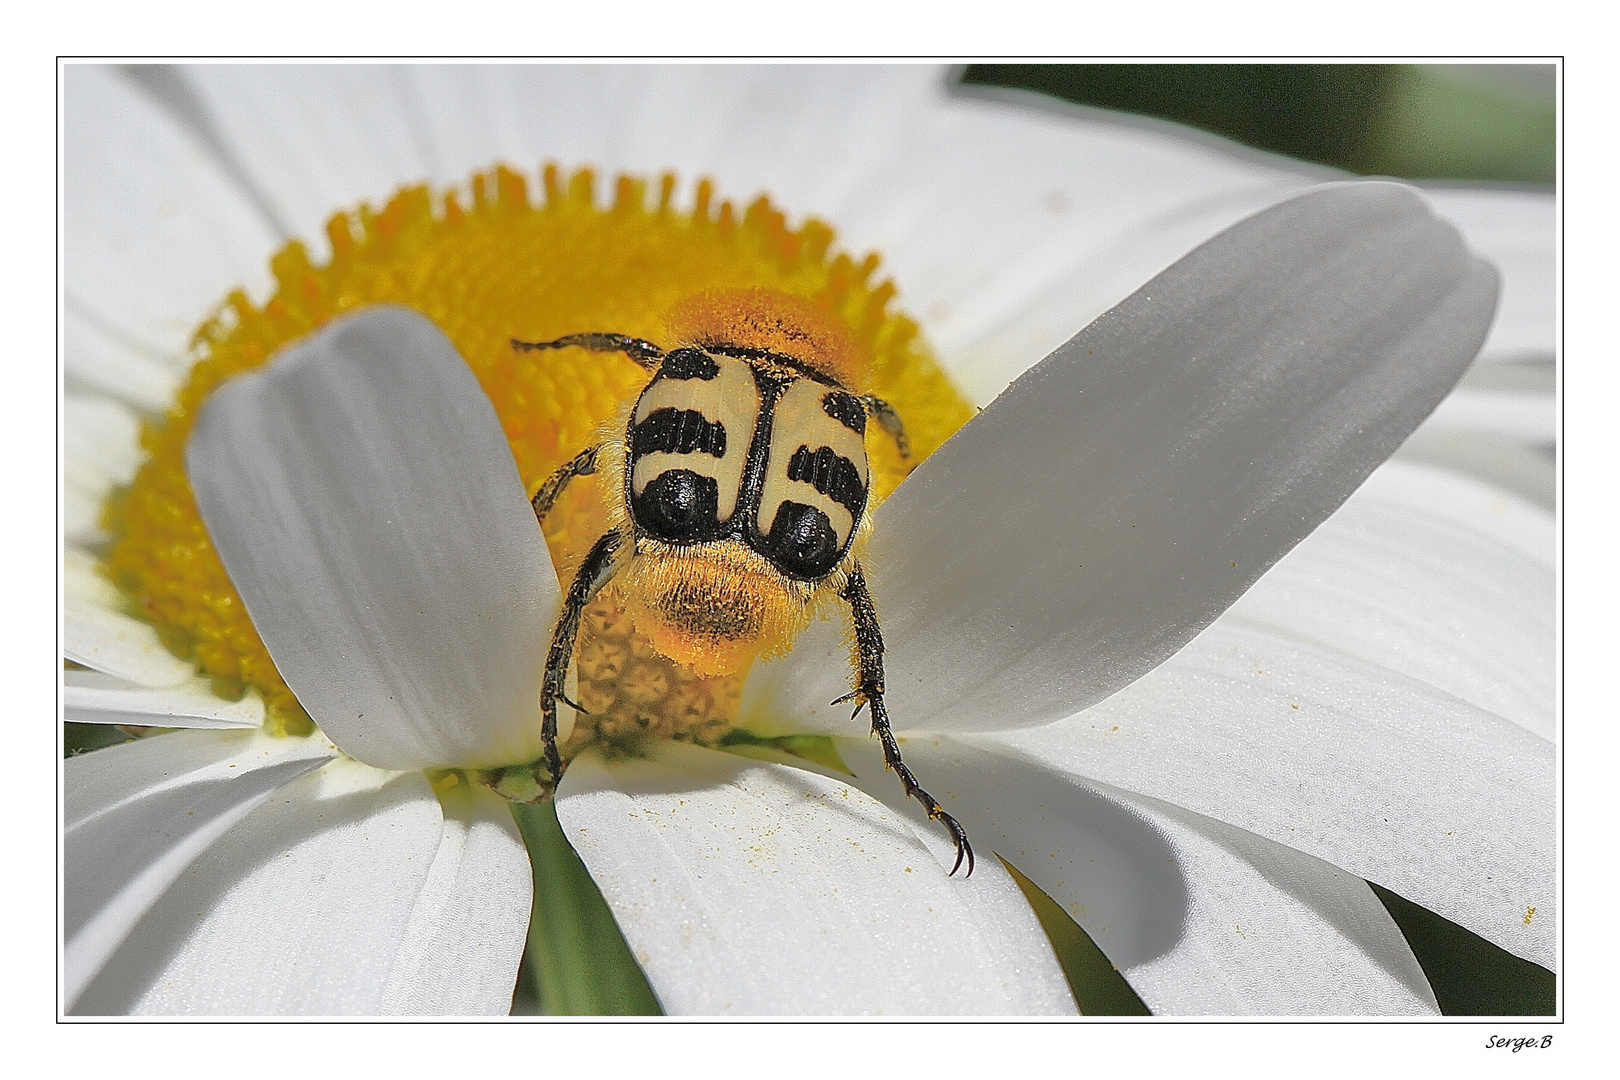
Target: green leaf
<point>577,963</point>
<point>814,748</point>
<point>1099,989</point>
<point>1469,975</point>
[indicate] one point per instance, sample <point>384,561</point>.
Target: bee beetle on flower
<point>1145,632</point>
<point>737,486</point>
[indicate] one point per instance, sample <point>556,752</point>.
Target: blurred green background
<point>1490,122</point>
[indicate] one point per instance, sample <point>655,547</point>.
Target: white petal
<point>1008,226</point>
<point>154,234</point>
<point>1030,217</point>
<point>1510,521</point>
<point>1278,933</point>
<point>100,636</point>
<point>525,114</point>
<point>1130,487</point>
<point>82,500</point>
<point>1528,472</point>
<point>99,437</point>
<point>301,909</point>
<point>1518,232</point>
<point>1413,590</point>
<point>98,451</point>
<point>137,814</point>
<point>322,137</point>
<point>1447,805</point>
<point>91,697</point>
<point>754,888</point>
<point>1200,917</point>
<point>316,138</point>
<point>99,360</point>
<point>994,217</point>
<point>1526,417</point>
<point>958,194</point>
<point>466,934</point>
<point>363,498</point>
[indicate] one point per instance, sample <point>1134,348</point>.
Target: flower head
<point>1082,529</point>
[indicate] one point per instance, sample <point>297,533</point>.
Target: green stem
<point>577,962</point>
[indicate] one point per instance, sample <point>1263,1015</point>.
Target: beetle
<point>737,487</point>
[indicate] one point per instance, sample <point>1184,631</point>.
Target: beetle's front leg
<point>593,573</point>
<point>868,693</point>
<point>584,464</point>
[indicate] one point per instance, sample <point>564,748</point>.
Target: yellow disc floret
<point>488,265</point>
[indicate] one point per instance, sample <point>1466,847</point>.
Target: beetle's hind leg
<point>593,573</point>
<point>868,693</point>
<point>642,352</point>
<point>582,465</point>
<point>885,415</point>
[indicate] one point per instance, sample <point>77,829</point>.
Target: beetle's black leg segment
<point>583,465</point>
<point>593,573</point>
<point>642,352</point>
<point>885,415</point>
<point>869,693</point>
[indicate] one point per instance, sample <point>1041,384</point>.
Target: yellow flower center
<point>500,268</point>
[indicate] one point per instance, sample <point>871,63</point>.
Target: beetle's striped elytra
<point>737,485</point>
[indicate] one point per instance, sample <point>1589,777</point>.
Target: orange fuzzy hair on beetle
<point>775,321</point>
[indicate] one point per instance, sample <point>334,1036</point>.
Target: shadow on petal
<point>1132,896</point>
<point>298,909</point>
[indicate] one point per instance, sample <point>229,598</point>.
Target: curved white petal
<point>1009,226</point>
<point>1415,591</point>
<point>154,233</point>
<point>1518,232</point>
<point>1089,204</point>
<point>98,635</point>
<point>301,909</point>
<point>1527,472</point>
<point>318,138</point>
<point>1134,484</point>
<point>807,134</point>
<point>1447,805</point>
<point>746,887</point>
<point>100,360</point>
<point>98,451</point>
<point>1491,511</point>
<point>99,436</point>
<point>466,933</point>
<point>92,697</point>
<point>82,499</point>
<point>1527,418</point>
<point>138,814</point>
<point>1200,917</point>
<point>363,498</point>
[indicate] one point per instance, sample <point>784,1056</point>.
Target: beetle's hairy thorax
<point>742,480</point>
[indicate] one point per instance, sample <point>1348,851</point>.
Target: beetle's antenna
<point>642,352</point>
<point>890,422</point>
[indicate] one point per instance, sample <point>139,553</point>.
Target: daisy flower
<point>1106,654</point>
